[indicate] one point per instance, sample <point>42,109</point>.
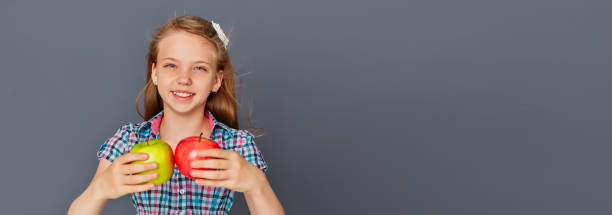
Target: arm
<point>261,199</point>
<point>90,201</point>
<point>239,175</point>
<point>113,180</point>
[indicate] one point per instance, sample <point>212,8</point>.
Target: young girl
<point>189,90</point>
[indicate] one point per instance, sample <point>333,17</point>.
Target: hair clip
<point>220,33</point>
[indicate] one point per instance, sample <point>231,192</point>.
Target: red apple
<point>187,151</point>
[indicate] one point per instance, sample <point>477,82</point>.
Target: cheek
<point>161,87</point>
<point>202,81</point>
<point>160,91</point>
<point>163,80</point>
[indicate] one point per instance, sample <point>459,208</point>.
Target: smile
<point>182,94</point>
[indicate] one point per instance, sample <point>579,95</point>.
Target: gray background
<point>368,107</point>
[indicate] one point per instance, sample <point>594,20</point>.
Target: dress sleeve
<point>249,150</point>
<point>116,145</point>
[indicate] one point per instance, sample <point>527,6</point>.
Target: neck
<point>181,125</point>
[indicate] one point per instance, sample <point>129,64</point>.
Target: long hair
<point>223,104</point>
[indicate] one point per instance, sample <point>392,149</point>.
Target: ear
<point>218,81</point>
<point>153,74</point>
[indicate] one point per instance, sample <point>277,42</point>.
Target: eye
<point>171,66</point>
<point>200,68</point>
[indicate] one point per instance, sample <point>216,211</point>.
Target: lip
<point>182,98</point>
<point>182,91</point>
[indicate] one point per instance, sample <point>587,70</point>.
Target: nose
<point>185,77</point>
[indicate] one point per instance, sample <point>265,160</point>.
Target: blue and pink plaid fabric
<point>181,195</point>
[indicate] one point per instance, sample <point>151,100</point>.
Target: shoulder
<point>235,139</point>
<point>242,139</point>
<point>129,128</point>
<point>240,133</point>
<point>136,128</point>
<point>233,133</point>
<point>131,132</point>
<point>126,129</point>
<point>122,140</point>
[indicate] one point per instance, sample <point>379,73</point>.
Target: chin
<point>184,108</point>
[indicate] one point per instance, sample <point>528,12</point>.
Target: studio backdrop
<point>366,107</point>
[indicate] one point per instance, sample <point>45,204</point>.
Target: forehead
<point>185,46</point>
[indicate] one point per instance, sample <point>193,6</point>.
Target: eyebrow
<point>174,59</point>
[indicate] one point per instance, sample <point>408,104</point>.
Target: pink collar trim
<point>157,122</point>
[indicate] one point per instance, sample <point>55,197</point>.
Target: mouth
<point>182,94</point>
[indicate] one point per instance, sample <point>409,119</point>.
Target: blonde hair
<point>223,104</point>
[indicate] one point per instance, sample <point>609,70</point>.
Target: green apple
<point>159,152</point>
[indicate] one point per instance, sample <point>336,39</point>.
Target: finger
<point>136,168</point>
<point>140,187</point>
<point>129,157</point>
<point>211,164</point>
<point>210,174</point>
<point>213,183</point>
<point>216,153</point>
<point>138,179</point>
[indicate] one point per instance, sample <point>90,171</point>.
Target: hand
<point>120,177</point>
<point>235,173</point>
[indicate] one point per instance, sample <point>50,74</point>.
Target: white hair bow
<point>221,34</point>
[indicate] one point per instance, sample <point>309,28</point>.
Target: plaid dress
<point>181,195</point>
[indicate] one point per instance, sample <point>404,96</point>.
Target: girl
<point>189,90</point>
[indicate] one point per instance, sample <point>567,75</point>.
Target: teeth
<point>182,94</point>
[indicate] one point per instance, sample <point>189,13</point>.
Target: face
<point>185,72</point>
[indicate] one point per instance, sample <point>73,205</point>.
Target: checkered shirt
<point>181,195</point>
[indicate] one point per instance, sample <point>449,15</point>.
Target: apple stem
<point>201,133</point>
